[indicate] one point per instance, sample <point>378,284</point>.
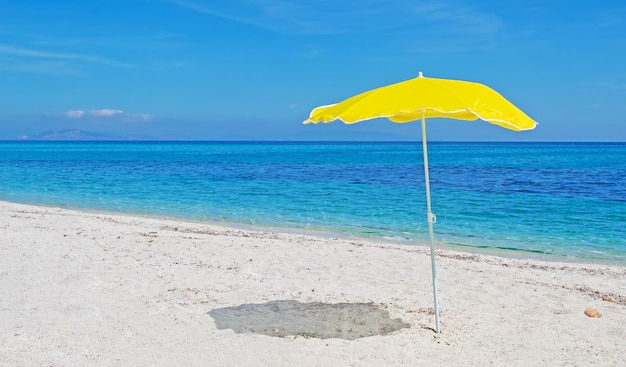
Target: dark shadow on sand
<point>283,318</point>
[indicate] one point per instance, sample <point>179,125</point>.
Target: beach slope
<point>90,289</point>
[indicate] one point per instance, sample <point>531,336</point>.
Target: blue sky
<point>253,70</point>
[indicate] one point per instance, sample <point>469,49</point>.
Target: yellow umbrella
<point>422,98</point>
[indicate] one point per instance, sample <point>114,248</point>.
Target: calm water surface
<point>559,201</point>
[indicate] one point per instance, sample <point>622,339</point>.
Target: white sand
<point>84,289</point>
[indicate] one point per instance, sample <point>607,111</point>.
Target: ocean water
<point>552,200</point>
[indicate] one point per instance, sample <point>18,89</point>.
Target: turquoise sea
<point>561,201</point>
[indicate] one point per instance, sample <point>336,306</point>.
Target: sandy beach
<point>90,289</point>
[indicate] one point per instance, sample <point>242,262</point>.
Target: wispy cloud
<point>50,67</point>
<point>75,114</point>
<point>609,86</point>
<point>50,55</point>
<point>344,16</point>
<point>108,114</point>
<point>306,17</point>
<point>447,27</point>
<point>456,16</point>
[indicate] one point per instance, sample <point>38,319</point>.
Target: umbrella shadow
<point>284,318</point>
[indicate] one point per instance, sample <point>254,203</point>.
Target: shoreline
<point>507,253</point>
<point>82,288</point>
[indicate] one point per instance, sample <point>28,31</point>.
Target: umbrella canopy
<point>422,98</point>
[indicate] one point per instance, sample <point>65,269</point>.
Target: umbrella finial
<point>420,75</point>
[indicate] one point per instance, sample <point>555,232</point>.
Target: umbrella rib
<point>508,123</point>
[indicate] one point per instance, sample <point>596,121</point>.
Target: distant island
<point>80,135</point>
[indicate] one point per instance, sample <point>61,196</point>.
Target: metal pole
<point>431,221</point>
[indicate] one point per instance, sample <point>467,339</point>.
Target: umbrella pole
<point>431,221</point>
